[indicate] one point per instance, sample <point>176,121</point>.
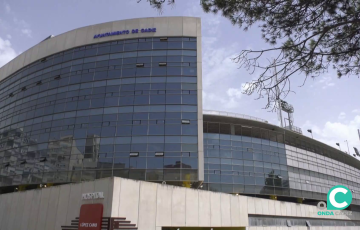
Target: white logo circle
<point>332,198</point>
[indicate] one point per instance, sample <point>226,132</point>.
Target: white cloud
<point>20,22</point>
<point>221,102</point>
<point>221,81</point>
<point>245,86</point>
<point>326,82</point>
<point>7,7</point>
<point>342,116</point>
<point>337,132</point>
<point>356,111</point>
<point>231,92</point>
<point>7,53</point>
<point>13,24</point>
<point>27,32</point>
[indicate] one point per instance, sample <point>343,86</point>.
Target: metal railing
<point>227,114</point>
<point>294,129</point>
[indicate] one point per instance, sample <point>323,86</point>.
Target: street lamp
<point>310,131</point>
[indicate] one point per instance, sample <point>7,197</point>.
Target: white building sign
<point>93,195</point>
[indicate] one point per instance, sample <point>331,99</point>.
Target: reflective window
<point>92,106</point>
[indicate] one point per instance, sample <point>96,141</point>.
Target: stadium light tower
<point>286,107</point>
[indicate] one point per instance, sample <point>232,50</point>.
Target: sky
<point>327,105</point>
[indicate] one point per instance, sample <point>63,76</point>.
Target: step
<point>125,228</point>
<point>69,227</point>
<point>127,224</point>
<point>118,218</point>
<point>122,221</point>
<point>105,218</point>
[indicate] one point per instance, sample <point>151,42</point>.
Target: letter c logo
<point>332,198</point>
<point>343,195</point>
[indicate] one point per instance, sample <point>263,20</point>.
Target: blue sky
<point>327,105</point>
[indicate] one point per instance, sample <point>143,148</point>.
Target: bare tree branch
<point>306,37</point>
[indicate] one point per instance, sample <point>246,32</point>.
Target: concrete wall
<point>50,208</point>
<point>260,206</point>
<point>303,228</point>
<point>148,205</point>
<point>151,206</point>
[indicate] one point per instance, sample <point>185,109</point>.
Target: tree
<point>306,36</point>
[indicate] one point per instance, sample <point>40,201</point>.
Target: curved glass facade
<point>251,160</point>
<point>241,164</point>
<point>124,108</point>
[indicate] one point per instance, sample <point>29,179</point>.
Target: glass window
<point>141,100</point>
<point>126,100</point>
<point>143,71</point>
<point>103,50</point>
<point>111,101</point>
<point>156,130</point>
<point>129,54</point>
<point>158,71</point>
<point>189,53</point>
<point>139,130</point>
<point>175,71</point>
<point>174,45</point>
<point>97,103</point>
<point>145,46</point>
<point>116,48</point>
<point>189,99</point>
<point>172,129</point>
<point>160,45</point>
<point>189,45</point>
<point>157,99</point>
<point>83,104</point>
<point>137,162</point>
<point>130,47</point>
<point>124,130</point>
<point>108,131</point>
<point>90,52</point>
<point>155,162</point>
<point>112,66</point>
<point>190,163</point>
<point>130,72</point>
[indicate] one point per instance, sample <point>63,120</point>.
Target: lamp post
<point>310,131</point>
<point>347,146</point>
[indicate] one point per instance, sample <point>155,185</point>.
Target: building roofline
<point>84,36</point>
<point>234,115</point>
<point>331,152</point>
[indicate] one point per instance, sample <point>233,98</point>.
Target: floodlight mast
<point>284,106</point>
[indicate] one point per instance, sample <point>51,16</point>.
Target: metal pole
<point>290,124</point>
<point>312,135</point>
<point>347,146</point>
<point>278,98</point>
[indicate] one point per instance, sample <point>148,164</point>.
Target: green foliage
<point>158,4</point>
<point>306,37</point>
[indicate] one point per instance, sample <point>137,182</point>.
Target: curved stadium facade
<point>123,99</point>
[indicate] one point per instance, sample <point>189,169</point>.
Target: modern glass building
<point>123,99</point>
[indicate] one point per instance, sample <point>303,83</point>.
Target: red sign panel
<point>90,216</point>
